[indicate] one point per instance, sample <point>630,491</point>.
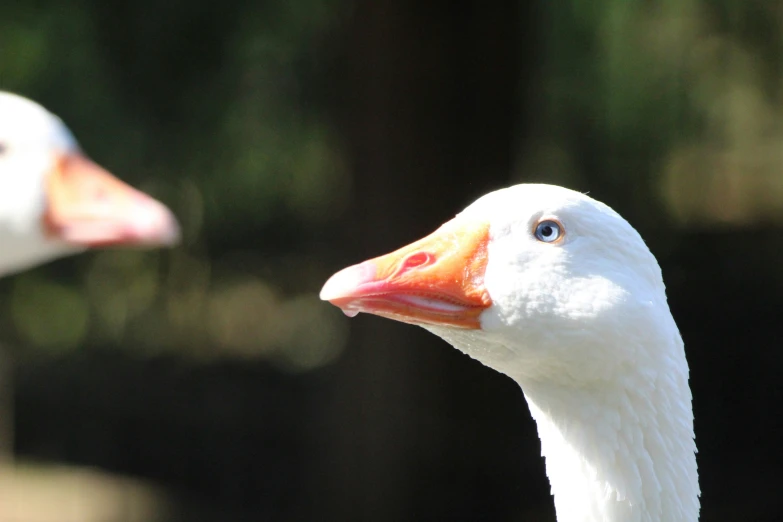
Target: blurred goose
<point>561,294</point>
<point>54,201</point>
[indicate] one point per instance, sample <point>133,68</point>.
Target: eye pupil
<point>548,231</point>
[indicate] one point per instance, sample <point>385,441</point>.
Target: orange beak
<point>87,206</point>
<point>438,280</point>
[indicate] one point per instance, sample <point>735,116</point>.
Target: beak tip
<point>344,283</point>
<point>157,226</point>
<point>172,233</point>
<point>334,288</point>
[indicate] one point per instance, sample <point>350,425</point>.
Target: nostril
<point>418,259</point>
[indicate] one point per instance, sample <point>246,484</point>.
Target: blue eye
<point>549,231</point>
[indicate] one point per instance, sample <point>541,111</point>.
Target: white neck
<point>619,452</point>
<point>618,447</point>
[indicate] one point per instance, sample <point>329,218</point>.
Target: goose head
<point>557,291</point>
<point>539,273</point>
<point>54,201</point>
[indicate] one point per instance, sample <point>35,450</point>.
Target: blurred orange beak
<point>438,280</point>
<point>86,206</point>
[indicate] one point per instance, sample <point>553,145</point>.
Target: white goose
<point>55,202</point>
<point>560,293</point>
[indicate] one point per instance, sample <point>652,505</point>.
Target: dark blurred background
<point>209,383</point>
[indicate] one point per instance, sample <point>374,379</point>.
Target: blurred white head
<point>54,201</point>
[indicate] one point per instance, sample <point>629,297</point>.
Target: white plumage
<point>580,321</point>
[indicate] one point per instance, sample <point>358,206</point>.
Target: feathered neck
<point>616,449</point>
<point>620,451</point>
